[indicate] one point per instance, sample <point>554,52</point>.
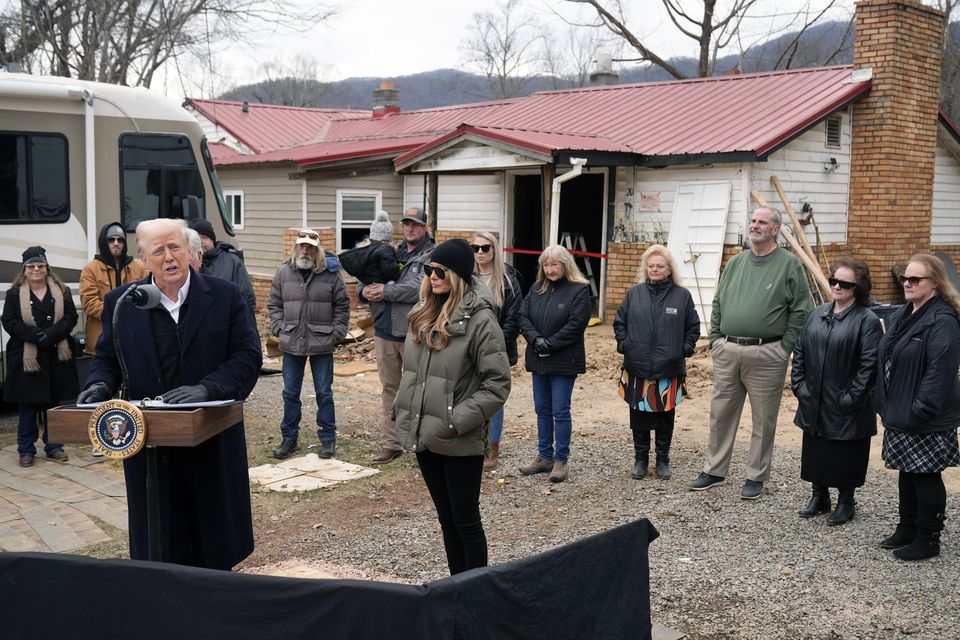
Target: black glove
<point>42,339</point>
<point>96,392</point>
<point>542,346</point>
<point>186,393</point>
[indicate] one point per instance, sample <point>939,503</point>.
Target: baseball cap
<point>306,236</point>
<point>415,214</point>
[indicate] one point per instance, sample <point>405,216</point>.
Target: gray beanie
<point>381,229</point>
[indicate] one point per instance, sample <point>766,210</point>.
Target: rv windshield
<point>159,178</point>
<point>215,183</point>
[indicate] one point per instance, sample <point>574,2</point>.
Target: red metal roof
<point>267,127</point>
<point>750,113</point>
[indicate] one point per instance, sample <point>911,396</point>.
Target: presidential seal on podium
<point>117,429</point>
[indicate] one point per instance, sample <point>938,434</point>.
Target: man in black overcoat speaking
<point>197,345</point>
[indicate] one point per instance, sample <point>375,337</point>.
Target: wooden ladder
<point>571,240</point>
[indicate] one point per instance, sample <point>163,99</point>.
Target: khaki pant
<point>738,372</point>
<point>389,368</point>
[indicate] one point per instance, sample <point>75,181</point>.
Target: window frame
<point>31,178</point>
<point>350,224</point>
<point>235,193</point>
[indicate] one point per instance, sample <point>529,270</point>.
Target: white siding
<point>799,167</point>
<point>465,202</point>
<point>273,202</point>
<point>661,184</point>
<point>945,228</point>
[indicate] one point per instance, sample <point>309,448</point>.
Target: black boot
<point>907,527</point>
<point>845,508</point>
<point>926,544</point>
<point>662,440</point>
<point>288,446</point>
<point>819,503</point>
<point>641,453</point>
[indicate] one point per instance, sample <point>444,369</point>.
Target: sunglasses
<point>308,234</point>
<point>429,270</point>
<point>912,280</point>
<point>843,284</point>
<point>117,240</point>
<point>35,265</point>
<point>478,248</point>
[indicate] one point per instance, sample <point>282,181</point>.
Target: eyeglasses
<point>117,240</point>
<point>429,270</point>
<point>912,280</point>
<point>485,248</point>
<point>308,234</point>
<point>35,265</point>
<point>843,284</point>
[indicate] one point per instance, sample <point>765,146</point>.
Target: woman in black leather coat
<point>834,369</point>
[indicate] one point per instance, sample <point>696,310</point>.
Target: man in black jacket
<point>222,260</point>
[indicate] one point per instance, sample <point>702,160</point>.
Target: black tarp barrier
<point>597,587</point>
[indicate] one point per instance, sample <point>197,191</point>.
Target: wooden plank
<point>793,218</point>
<point>165,427</point>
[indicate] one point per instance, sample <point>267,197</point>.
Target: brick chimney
<point>894,136</point>
<point>386,100</point>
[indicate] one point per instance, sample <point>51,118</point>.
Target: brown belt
<point>751,342</point>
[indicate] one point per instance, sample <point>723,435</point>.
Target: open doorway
<point>581,214</point>
<point>527,226</point>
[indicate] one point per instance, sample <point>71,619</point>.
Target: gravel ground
<point>722,567</point>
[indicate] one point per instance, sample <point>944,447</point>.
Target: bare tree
<point>127,41</point>
<point>294,83</point>
<point>950,69</point>
<point>713,25</point>
<point>505,46</point>
<point>569,58</point>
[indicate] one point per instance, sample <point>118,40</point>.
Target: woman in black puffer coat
<point>834,370</point>
<point>918,399</point>
<point>656,327</point>
<point>553,318</point>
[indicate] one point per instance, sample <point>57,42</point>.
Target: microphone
<point>144,296</point>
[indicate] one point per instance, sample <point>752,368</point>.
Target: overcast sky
<point>400,37</point>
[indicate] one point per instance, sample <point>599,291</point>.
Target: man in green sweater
<point>758,312</point>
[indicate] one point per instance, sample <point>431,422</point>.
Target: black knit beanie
<point>204,228</point>
<point>457,255</point>
<point>35,254</point>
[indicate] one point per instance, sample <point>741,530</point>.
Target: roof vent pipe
<point>246,107</point>
<point>386,100</point>
<point>604,74</point>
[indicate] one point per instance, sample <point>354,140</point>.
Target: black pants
<point>454,485</point>
<point>923,500</point>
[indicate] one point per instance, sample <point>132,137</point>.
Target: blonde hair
<point>663,252</point>
<point>499,280</point>
<point>938,275</point>
<point>570,269</point>
<point>429,318</point>
<point>149,228</point>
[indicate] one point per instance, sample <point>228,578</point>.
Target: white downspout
<point>91,173</point>
<point>578,164</point>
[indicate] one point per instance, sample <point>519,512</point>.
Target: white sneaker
<point>96,453</point>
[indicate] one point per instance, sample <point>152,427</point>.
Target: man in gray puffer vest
<point>309,312</point>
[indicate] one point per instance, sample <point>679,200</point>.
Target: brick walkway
<point>51,506</point>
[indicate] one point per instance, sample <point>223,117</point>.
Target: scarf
<point>64,353</point>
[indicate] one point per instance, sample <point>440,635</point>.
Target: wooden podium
<point>185,427</point>
<point>165,427</point>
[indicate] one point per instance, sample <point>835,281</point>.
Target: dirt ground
<point>285,525</point>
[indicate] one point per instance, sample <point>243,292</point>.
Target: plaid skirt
<point>920,452</point>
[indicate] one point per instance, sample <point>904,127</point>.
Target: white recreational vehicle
<point>75,155</point>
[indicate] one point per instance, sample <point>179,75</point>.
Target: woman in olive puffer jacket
<point>455,378</point>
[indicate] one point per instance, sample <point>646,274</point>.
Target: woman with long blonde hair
<point>656,327</point>
<point>553,319</point>
<point>503,283</point>
<point>455,376</point>
<point>918,399</point>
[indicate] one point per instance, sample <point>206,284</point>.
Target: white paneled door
<point>696,239</point>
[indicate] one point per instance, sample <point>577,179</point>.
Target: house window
<point>834,128</point>
<point>234,200</point>
<point>356,210</point>
<point>34,178</point>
